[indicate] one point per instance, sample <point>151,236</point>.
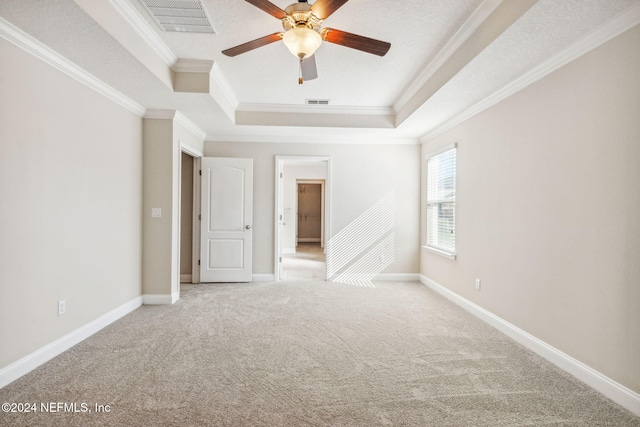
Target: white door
<point>227,214</point>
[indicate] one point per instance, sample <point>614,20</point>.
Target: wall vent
<point>317,102</point>
<point>183,16</point>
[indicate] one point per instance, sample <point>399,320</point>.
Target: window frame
<point>435,249</point>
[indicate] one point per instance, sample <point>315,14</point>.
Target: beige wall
<point>70,206</point>
<point>163,141</point>
<point>159,276</point>
<point>361,175</point>
<point>548,213</point>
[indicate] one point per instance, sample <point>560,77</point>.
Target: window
<point>441,202</point>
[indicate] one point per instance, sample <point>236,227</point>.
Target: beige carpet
<point>307,354</point>
<point>307,263</point>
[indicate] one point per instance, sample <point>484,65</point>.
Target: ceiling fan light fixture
<point>302,41</point>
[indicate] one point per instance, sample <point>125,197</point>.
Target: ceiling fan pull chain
<point>300,79</point>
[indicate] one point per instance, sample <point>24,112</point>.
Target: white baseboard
<point>397,277</point>
<point>263,278</point>
<point>309,239</point>
<point>288,250</point>
<point>160,299</point>
<point>185,278</point>
<point>28,363</point>
<point>615,391</point>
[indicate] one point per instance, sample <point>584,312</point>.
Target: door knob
<point>248,227</point>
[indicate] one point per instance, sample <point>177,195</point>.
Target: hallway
<point>308,263</point>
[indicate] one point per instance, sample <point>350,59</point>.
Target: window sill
<point>439,252</point>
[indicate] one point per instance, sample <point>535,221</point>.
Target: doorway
<point>302,217</point>
<point>189,227</point>
<point>309,209</point>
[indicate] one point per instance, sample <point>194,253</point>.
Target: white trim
<point>439,252</point>
<point>288,250</point>
<point>159,299</point>
<point>175,295</point>
<point>190,151</point>
<point>181,119</point>
<point>314,109</point>
<point>397,277</point>
<point>28,363</point>
<point>602,34</point>
<point>227,98</point>
<point>190,126</point>
<point>193,66</point>
<point>24,41</point>
<point>613,390</point>
<point>355,139</point>
<point>157,114</point>
<point>263,278</point>
<point>145,31</point>
<point>185,278</point>
<point>439,150</point>
<point>195,252</point>
<point>474,22</point>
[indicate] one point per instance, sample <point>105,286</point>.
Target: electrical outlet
<point>478,284</point>
<point>62,307</point>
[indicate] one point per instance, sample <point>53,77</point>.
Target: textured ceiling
<point>424,81</point>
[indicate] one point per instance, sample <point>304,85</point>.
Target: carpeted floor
<point>307,263</point>
<point>307,354</point>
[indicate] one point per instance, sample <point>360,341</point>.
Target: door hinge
<point>198,262</point>
<point>280,259</point>
<point>280,174</point>
<point>200,172</point>
<point>199,217</point>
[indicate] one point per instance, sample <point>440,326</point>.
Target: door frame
<point>195,231</point>
<point>280,161</point>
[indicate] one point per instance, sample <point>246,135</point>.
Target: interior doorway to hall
<point>307,262</point>
<point>303,201</point>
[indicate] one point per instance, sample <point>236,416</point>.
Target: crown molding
<point>612,28</point>
<point>464,32</point>
<point>316,139</point>
<point>178,117</point>
<point>223,93</point>
<point>157,114</point>
<point>190,126</point>
<point>315,109</point>
<point>146,32</point>
<point>24,41</point>
<point>193,66</point>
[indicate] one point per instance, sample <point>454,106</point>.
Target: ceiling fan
<point>303,34</point>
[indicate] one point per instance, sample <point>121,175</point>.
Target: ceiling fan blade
<point>309,69</point>
<point>253,44</point>
<point>268,7</point>
<point>355,41</point>
<point>323,8</point>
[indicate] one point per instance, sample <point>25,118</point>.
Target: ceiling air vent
<point>317,102</point>
<point>183,16</point>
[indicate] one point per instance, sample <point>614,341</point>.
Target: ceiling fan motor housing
<point>300,15</point>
